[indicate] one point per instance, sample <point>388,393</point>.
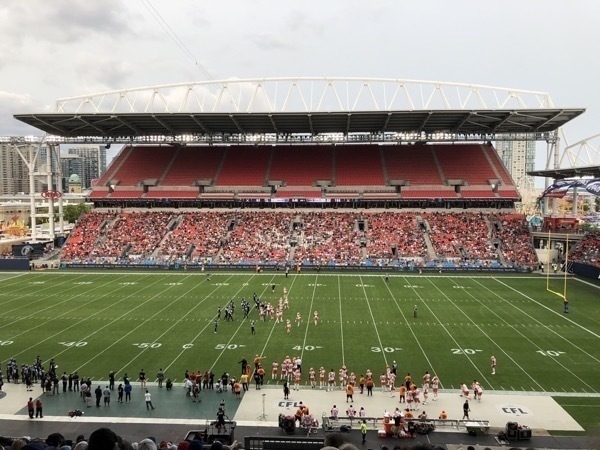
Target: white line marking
<point>376,329</point>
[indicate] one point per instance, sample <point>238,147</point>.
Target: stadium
<point>355,225</point>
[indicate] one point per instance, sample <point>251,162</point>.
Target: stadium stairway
<point>430,250</point>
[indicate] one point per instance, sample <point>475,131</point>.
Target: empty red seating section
<point>498,165</point>
<point>144,163</point>
<point>302,165</point>
<point>509,193</point>
<point>114,166</point>
<point>98,193</point>
<point>413,163</point>
<point>353,170</point>
<point>465,162</point>
<point>244,166</point>
<point>127,193</point>
<point>358,165</point>
<point>477,193</point>
<point>193,163</point>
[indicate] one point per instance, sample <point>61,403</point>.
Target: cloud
<point>108,73</point>
<point>63,21</point>
<point>14,104</point>
<point>270,41</point>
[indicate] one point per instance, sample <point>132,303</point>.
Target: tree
<point>73,212</point>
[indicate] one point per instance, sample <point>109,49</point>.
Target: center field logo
<point>515,410</point>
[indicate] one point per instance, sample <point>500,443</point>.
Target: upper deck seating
<point>302,165</point>
<point>244,166</point>
<point>194,163</point>
<point>412,163</point>
<point>358,165</point>
<point>143,163</point>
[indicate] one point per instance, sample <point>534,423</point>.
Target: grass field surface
<point>96,322</point>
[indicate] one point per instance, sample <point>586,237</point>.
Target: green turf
<point>97,322</point>
<point>586,410</point>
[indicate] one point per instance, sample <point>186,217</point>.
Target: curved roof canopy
<point>305,106</point>
<point>127,125</point>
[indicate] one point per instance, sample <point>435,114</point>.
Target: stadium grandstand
<point>360,172</point>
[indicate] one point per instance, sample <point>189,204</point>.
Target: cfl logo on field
<point>288,404</point>
<point>515,410</point>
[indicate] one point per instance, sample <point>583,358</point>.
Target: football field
<point>94,322</point>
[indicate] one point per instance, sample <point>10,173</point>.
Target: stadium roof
<point>473,121</point>
<point>575,172</point>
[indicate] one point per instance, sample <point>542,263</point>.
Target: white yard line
<point>587,282</point>
<point>417,340</point>
<point>117,341</point>
<point>175,324</point>
<point>374,324</point>
<point>42,325</point>
<point>39,295</point>
<point>547,328</point>
<point>273,326</point>
<point>500,349</point>
<point>450,334</point>
<point>242,323</point>
<point>308,319</point>
<point>549,309</point>
<point>341,322</point>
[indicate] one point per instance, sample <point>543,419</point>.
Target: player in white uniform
<point>322,378</point>
<point>312,378</point>
<point>331,380</point>
<point>334,412</point>
<point>435,384</point>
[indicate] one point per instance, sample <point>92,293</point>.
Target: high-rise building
<point>519,158</point>
<point>93,162</point>
<point>71,165</point>
<point>14,173</point>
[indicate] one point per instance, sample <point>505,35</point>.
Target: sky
<point>60,48</point>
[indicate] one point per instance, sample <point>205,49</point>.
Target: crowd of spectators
<point>84,236</point>
<point>307,237</point>
<point>198,236</point>
<point>388,231</point>
<point>588,250</point>
<point>513,232</point>
<point>460,235</point>
<point>258,238</point>
<point>329,239</point>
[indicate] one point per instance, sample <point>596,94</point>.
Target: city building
<point>14,173</point>
<point>519,158</point>
<point>92,162</point>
